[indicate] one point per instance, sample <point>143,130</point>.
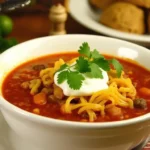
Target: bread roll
<point>101,3</point>
<point>142,3</point>
<point>148,22</point>
<point>124,17</point>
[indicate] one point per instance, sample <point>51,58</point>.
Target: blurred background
<point>22,20</point>
<point>31,21</point>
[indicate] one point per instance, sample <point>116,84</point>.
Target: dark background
<point>32,21</point>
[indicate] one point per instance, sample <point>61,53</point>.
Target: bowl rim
<point>71,124</point>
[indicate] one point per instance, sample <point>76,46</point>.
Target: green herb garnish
<point>117,66</point>
<point>88,62</point>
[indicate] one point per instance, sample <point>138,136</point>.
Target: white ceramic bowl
<point>41,133</point>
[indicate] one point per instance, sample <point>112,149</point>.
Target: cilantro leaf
<point>62,67</point>
<point>62,76</point>
<point>117,66</point>
<point>95,71</point>
<point>95,54</point>
<point>85,50</point>
<point>82,65</point>
<point>75,80</point>
<point>102,63</point>
<point>91,62</point>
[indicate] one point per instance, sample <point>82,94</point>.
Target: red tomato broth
<point>21,98</point>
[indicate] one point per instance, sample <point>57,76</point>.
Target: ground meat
<point>140,103</point>
<point>25,85</point>
<point>47,90</point>
<point>38,67</point>
<point>52,98</point>
<point>84,115</point>
<point>58,92</point>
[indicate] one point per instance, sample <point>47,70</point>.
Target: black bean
<point>140,103</point>
<point>75,101</point>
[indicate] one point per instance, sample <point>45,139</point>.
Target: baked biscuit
<point>101,3</point>
<point>142,3</point>
<point>148,21</point>
<point>124,17</point>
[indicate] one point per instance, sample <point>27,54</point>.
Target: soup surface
<point>50,101</point>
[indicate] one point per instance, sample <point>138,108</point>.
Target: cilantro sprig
<point>90,62</point>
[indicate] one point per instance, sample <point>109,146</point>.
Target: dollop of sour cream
<point>89,85</point>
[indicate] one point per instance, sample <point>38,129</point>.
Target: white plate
<point>82,12</point>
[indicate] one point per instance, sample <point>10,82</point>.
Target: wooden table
<point>33,22</point>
